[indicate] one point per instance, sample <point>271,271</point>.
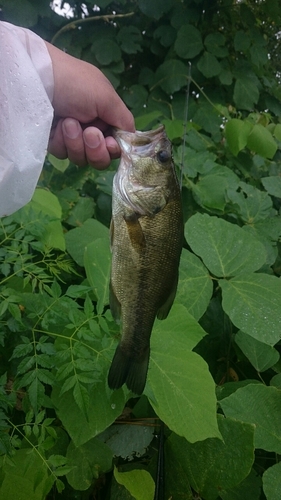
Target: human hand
<point>86,108</point>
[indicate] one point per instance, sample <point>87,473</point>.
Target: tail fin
<point>128,370</point>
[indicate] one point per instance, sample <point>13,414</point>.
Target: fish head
<point>146,168</point>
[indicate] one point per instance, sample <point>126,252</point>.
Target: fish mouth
<point>139,143</point>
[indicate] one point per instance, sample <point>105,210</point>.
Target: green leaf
<point>214,43</point>
<point>97,260</point>
<point>103,409</point>
<point>277,131</point>
<point>236,133</point>
<point>127,441</point>
<point>250,203</point>
<point>260,355</point>
<point>26,476</point>
<point>106,51</point>
<point>272,185</point>
<point>88,461</point>
<point>253,303</point>
<point>156,8</point>
<point>209,65</point>
<point>46,202</point>
<point>258,405</point>
<point>166,35</point>
<point>246,93</point>
<point>210,189</point>
<point>171,75</point>
<point>129,38</point>
<point>60,165</point>
<point>260,141</point>
<point>215,464</point>
<point>272,482</point>
<point>77,239</point>
<point>82,211</point>
<point>242,41</point>
<point>195,286</point>
<point>138,482</point>
<point>189,42</point>
<point>143,121</point>
<point>225,248</point>
<point>176,474</point>
<point>81,397</point>
<point>22,13</point>
<point>250,488</point>
<point>176,372</point>
<point>36,394</point>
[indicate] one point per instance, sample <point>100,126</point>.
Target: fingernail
<point>71,128</point>
<point>91,139</point>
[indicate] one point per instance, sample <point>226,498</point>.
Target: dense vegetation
<point>215,370</point>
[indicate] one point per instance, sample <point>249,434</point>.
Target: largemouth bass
<point>146,243</point>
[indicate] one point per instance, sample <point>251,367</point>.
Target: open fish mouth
<point>139,143</point>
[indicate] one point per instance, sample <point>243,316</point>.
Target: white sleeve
<point>26,113</point>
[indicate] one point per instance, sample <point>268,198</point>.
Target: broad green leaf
<point>97,260</point>
<point>156,8</point>
<point>253,303</point>
<point>195,286</point>
<point>215,464</point>
<point>250,489</point>
<point>252,204</point>
<point>189,42</point>
<point>23,13</point>
<point>166,35</point>
<point>26,476</point>
<point>106,51</point>
<point>242,41</point>
<point>127,441</point>
<point>143,121</point>
<point>261,356</point>
<point>82,211</point>
<point>171,75</point>
<point>272,185</point>
<point>277,131</point>
<point>259,405</point>
<point>102,412</point>
<point>209,65</point>
<point>177,374</point>
<point>225,248</point>
<point>174,128</point>
<point>260,141</point>
<point>46,202</point>
<point>246,93</point>
<point>177,484</point>
<point>272,482</point>
<point>129,38</point>
<point>209,118</point>
<point>60,165</point>
<point>259,55</point>
<point>214,43</point>
<point>138,482</point>
<point>236,133</point>
<point>77,239</point>
<point>210,189</point>
<point>135,98</point>
<point>88,461</point>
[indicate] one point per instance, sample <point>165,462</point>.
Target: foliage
<point>60,425</point>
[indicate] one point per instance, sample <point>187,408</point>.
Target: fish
<point>146,242</point>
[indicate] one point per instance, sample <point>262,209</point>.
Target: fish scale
<point>146,243</point>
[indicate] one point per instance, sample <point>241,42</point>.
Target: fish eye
<point>163,156</point>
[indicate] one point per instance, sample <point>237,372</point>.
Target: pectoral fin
<point>135,232</point>
<point>164,310</point>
